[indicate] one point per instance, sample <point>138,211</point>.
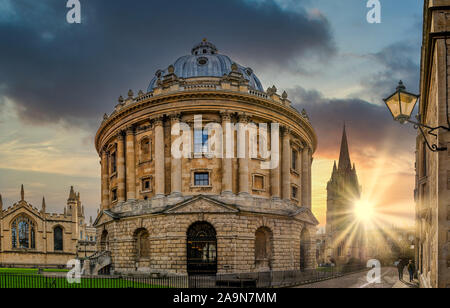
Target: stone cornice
<point>300,126</point>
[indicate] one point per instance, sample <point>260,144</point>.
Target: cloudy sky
<point>58,79</point>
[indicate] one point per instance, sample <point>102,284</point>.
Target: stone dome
<point>205,61</point>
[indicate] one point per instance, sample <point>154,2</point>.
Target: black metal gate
<point>201,249</point>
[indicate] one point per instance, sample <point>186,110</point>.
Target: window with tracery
<point>23,233</point>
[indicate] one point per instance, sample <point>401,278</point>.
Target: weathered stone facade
<point>34,238</point>
<point>433,168</point>
<point>151,196</point>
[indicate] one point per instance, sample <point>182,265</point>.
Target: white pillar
<point>159,158</point>
<point>105,179</point>
<point>131,164</point>
<point>121,189</point>
<point>175,163</point>
<point>286,165</point>
<point>227,172</point>
<point>243,162</point>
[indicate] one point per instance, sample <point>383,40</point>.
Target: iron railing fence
<point>274,279</point>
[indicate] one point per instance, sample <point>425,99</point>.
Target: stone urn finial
<point>130,93</point>
<point>284,95</point>
<point>171,69</point>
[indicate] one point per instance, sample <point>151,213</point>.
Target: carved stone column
<point>306,178</point>
<point>105,179</point>
<point>159,158</point>
<point>286,164</point>
<point>227,171</point>
<point>244,161</point>
<point>131,164</point>
<point>176,170</point>
<point>275,175</point>
<point>120,168</point>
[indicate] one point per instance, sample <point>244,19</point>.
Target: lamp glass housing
<point>401,104</point>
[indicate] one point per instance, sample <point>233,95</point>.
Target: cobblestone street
<point>389,279</point>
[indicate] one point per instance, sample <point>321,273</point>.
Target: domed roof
<point>205,61</point>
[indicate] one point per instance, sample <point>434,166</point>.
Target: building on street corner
<point>432,191</point>
<point>202,213</point>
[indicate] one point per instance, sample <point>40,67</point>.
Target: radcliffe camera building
<point>204,214</point>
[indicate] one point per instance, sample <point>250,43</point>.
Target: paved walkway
<point>405,284</point>
<point>389,279</point>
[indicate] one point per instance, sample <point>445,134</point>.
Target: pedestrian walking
<point>401,268</point>
<point>411,270</point>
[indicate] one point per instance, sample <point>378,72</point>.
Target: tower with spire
<point>343,190</point>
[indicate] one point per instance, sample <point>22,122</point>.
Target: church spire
<point>344,156</point>
<point>22,193</point>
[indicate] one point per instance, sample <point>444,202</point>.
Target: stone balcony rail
<point>202,87</point>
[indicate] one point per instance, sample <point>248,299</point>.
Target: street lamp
<point>401,104</point>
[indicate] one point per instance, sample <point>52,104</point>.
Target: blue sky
<point>57,80</point>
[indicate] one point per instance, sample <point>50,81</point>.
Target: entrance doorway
<point>201,249</point>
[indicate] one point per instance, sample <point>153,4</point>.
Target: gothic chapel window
<point>23,233</point>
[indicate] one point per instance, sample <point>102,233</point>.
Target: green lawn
<point>31,270</point>
<point>19,270</point>
<point>28,278</point>
<point>35,281</point>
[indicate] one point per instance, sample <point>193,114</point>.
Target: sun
<point>364,210</point>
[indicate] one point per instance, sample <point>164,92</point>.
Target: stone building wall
<point>433,168</point>
<point>235,242</point>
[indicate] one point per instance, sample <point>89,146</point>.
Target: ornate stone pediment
<point>201,204</point>
<point>305,215</point>
<point>103,217</point>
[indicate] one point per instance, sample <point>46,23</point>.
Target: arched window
<point>23,233</point>
<point>263,248</point>
<point>142,244</point>
<point>58,239</point>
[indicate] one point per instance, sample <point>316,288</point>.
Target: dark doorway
<point>201,249</point>
<point>305,242</point>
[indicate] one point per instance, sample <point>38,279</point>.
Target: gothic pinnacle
<point>22,193</point>
<point>43,205</point>
<point>72,196</point>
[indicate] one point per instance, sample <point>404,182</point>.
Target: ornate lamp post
<point>401,104</point>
